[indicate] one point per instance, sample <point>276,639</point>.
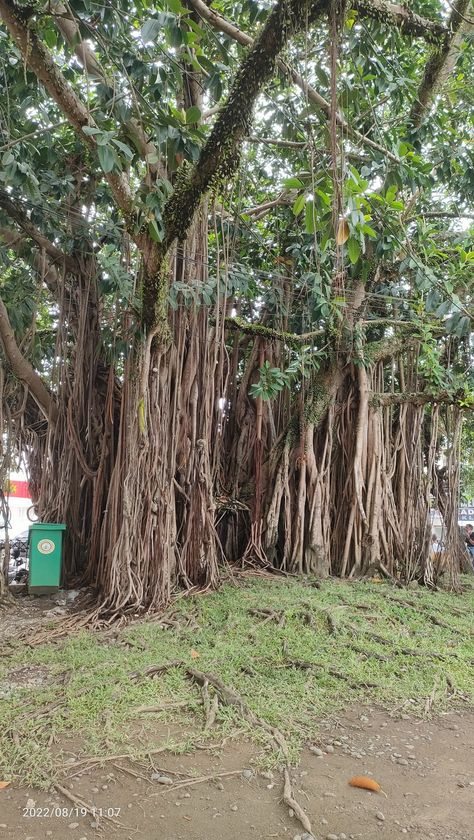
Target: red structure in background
<point>17,489</point>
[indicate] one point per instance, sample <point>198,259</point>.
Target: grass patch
<point>323,650</point>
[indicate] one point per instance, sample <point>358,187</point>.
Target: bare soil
<point>425,768</point>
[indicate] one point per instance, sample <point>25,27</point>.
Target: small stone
<point>271,786</point>
<point>304,773</point>
<point>316,751</point>
<point>73,825</point>
<point>219,786</point>
<point>402,761</point>
<point>291,813</point>
<point>267,774</point>
<point>330,795</point>
<point>342,836</point>
<point>95,790</point>
<point>380,816</point>
<point>234,808</point>
<point>30,803</point>
<point>324,821</point>
<point>330,748</point>
<point>306,836</point>
<point>94,824</point>
<point>104,787</point>
<point>247,774</point>
<point>332,837</point>
<point>162,780</point>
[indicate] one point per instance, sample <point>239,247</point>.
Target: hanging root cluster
<point>350,488</point>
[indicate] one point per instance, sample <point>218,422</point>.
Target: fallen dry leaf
<point>365,782</point>
<point>194,654</point>
<point>4,785</point>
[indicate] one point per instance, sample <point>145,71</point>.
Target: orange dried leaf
<point>4,785</point>
<point>365,783</point>
<point>342,234</point>
<point>194,654</point>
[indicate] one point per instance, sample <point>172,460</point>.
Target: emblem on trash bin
<point>46,546</point>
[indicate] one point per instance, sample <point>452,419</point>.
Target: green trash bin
<point>46,553</point>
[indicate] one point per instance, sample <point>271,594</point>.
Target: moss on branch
<point>378,400</point>
<point>261,331</point>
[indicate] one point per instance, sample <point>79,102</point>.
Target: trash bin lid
<point>47,526</point>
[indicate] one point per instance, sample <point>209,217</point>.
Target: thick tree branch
<point>442,61</point>
<point>388,348</point>
<point>220,155</point>
<point>395,14</point>
<point>260,331</point>
<point>417,398</point>
<point>22,368</point>
<point>218,22</point>
<point>40,61</point>
<point>409,22</point>
<point>69,28</point>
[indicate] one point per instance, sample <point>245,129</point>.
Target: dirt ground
<point>425,768</point>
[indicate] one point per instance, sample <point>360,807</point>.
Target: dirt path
<point>425,767</point>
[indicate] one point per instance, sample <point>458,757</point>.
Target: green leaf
<point>325,198</point>
<point>369,231</point>
<point>391,193</point>
<point>91,130</point>
<point>176,7</point>
<point>353,250</point>
<point>293,184</point>
<point>193,114</point>
<point>150,30</point>
<point>299,204</point>
<point>51,37</point>
<point>107,158</point>
<point>155,232</point>
<point>123,148</point>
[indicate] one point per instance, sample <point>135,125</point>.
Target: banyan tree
<point>236,283</point>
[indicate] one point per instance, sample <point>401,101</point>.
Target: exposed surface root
<point>289,800</point>
<point>231,698</point>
